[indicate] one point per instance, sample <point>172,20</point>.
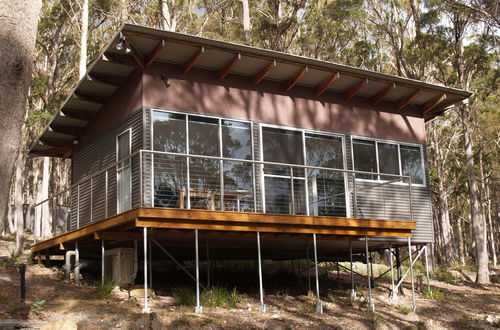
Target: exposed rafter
<point>383,93</point>
<point>89,98</point>
<point>79,114</point>
<point>121,59</point>
<point>227,68</point>
<point>71,131</point>
<point>154,53</point>
<point>107,79</point>
<point>264,72</point>
<point>135,54</point>
<point>432,104</point>
<point>354,89</point>
<point>295,79</point>
<point>406,100</point>
<point>192,61</point>
<point>56,143</point>
<point>328,82</point>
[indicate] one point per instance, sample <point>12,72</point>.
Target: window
<point>324,151</point>
<point>203,136</point>
<point>236,139</point>
<point>387,158</point>
<point>169,132</point>
<point>411,163</point>
<point>365,158</point>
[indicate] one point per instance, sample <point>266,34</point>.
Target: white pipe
<point>198,308</point>
<point>145,240</point>
<point>67,264</point>
<point>262,307</point>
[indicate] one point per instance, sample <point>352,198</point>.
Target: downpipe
<point>67,264</point>
<point>78,267</point>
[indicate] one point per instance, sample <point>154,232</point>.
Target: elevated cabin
<point>176,133</point>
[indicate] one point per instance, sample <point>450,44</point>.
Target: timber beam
<point>432,104</point>
<point>383,93</point>
<point>154,53</point>
<point>296,78</point>
<point>354,89</point>
<point>264,72</point>
<point>192,60</point>
<point>227,68</point>
<point>406,100</point>
<point>121,59</point>
<point>327,83</point>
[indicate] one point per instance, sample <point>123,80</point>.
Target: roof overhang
<point>141,46</point>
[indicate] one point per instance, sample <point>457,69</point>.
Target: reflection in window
<point>365,158</point>
<point>279,199</point>
<point>238,187</point>
<point>324,151</point>
<point>388,159</point>
<point>203,136</point>
<point>236,139</point>
<point>411,163</point>
<point>282,146</point>
<point>169,132</point>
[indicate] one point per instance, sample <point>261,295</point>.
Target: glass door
<point>123,172</point>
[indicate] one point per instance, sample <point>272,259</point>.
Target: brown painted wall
<point>236,97</point>
<point>126,100</point>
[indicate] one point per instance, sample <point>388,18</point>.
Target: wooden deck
<point>120,227</point>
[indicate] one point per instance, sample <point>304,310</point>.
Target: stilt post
<point>308,267</point>
<point>151,268</point>
<point>102,261</point>
<point>208,264</point>
<point>262,306</point>
<point>319,304</point>
<point>198,308</point>
<point>399,271</point>
<point>411,275</point>
<point>371,307</point>
<point>393,293</point>
<point>427,269</point>
<point>353,291</point>
<point>145,246</point>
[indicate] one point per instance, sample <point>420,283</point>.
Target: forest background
<point>450,42</point>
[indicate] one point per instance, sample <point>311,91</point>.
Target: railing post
<point>355,197</point>
<point>78,206</point>
<point>106,197</point>
<point>141,202</point>
<point>411,199</point>
<point>188,184</point>
<point>221,190</point>
<point>293,192</point>
<point>91,198</point>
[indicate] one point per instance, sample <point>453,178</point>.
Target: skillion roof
<point>136,47</point>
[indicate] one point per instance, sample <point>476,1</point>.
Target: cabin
<point>177,140</point>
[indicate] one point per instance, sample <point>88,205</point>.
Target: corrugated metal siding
<point>258,169</point>
<point>95,156</point>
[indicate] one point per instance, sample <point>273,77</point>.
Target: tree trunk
<point>83,39</point>
<point>246,20</point>
<point>18,26</point>
<point>169,21</point>
<point>477,218</point>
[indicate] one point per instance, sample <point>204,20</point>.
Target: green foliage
<point>104,289</point>
<point>373,318</point>
<point>404,309</point>
<point>434,293</point>
<point>212,297</point>
<point>37,306</point>
<point>4,298</point>
<point>443,275</point>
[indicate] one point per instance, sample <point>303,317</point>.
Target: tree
<point>18,26</point>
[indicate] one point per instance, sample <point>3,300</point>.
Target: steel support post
<point>150,268</point>
<point>411,276</point>
<point>353,291</point>
<point>208,264</point>
<point>102,262</point>
<point>198,308</point>
<point>399,271</point>
<point>308,270</point>
<point>145,246</point>
<point>371,270</point>
<point>319,304</point>
<point>393,292</point>
<point>427,270</point>
<point>371,307</point>
<point>262,306</point>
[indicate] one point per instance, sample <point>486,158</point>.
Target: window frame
<point>128,163</point>
<point>304,151</point>
<point>399,144</point>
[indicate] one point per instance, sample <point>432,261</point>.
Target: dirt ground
<point>462,305</point>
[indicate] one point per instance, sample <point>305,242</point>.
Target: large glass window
<point>169,132</point>
<point>282,146</point>
<point>203,136</point>
<point>411,163</point>
<point>387,158</point>
<point>236,139</point>
<point>365,158</point>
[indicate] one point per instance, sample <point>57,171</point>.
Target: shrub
<point>3,299</point>
<point>434,293</point>
<point>37,306</point>
<point>104,289</point>
<point>212,297</point>
<point>373,318</point>
<point>404,309</point>
<point>443,275</point>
